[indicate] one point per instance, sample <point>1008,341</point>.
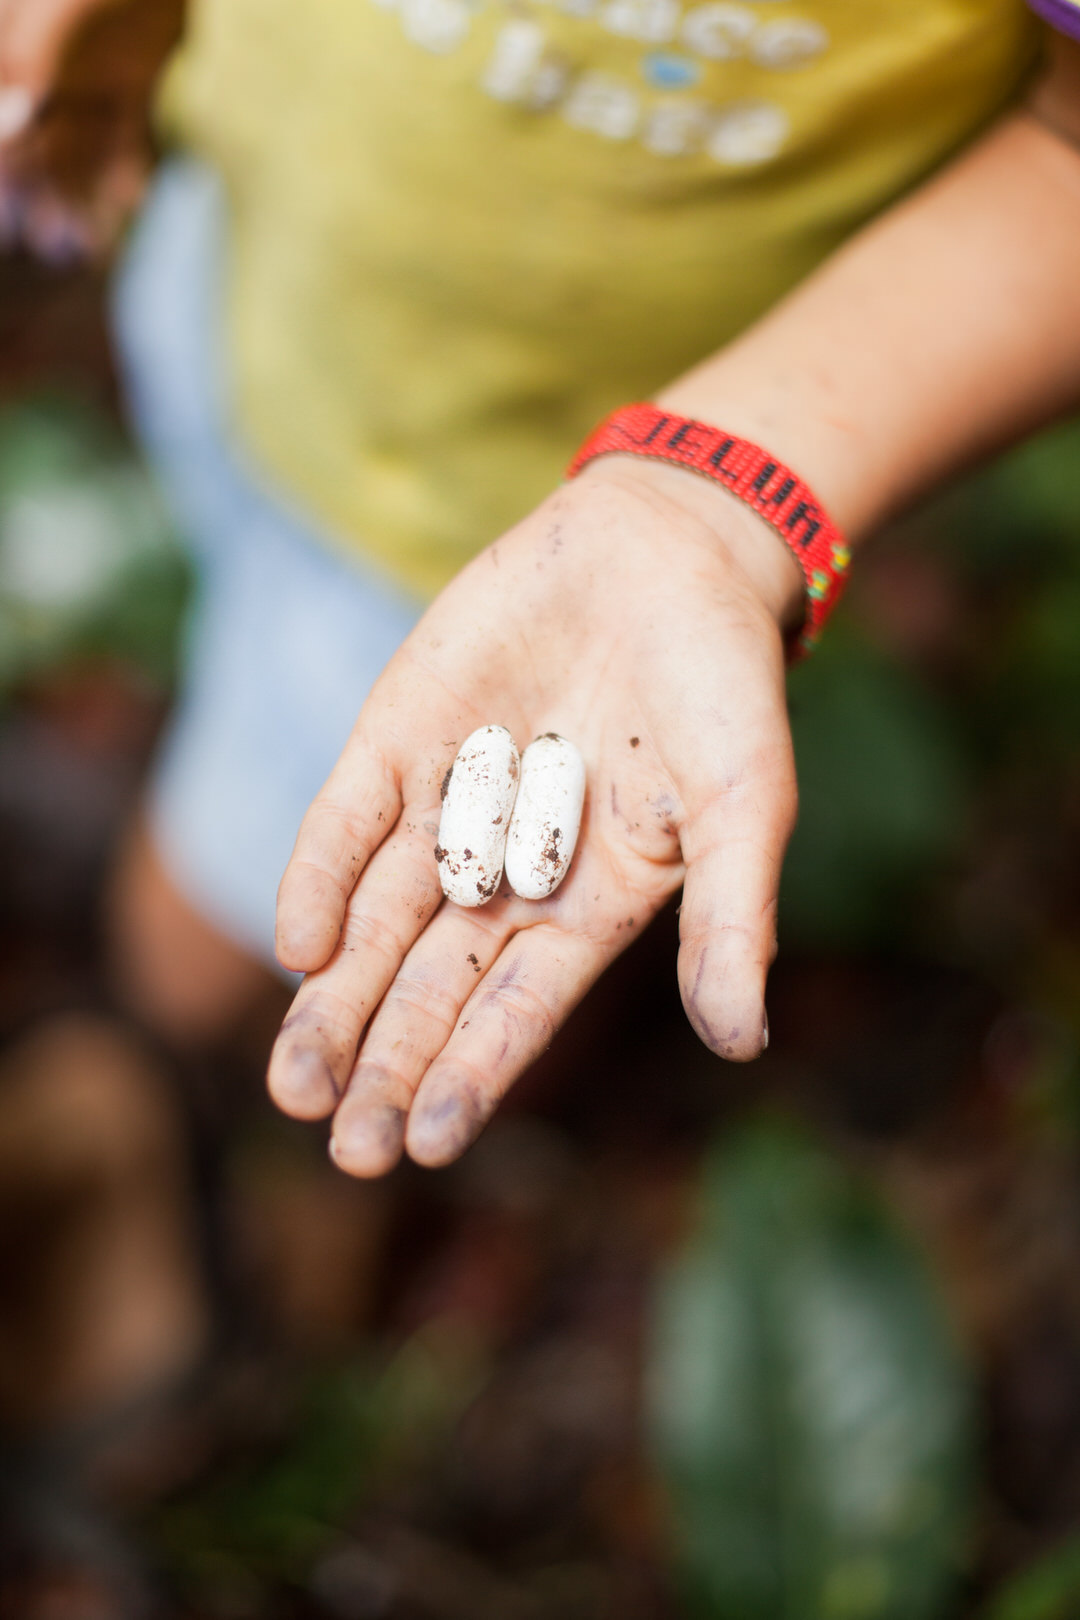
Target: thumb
<point>733,844</point>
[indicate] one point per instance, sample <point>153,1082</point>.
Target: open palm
<point>616,616</point>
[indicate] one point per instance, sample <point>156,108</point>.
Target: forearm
<point>944,330</point>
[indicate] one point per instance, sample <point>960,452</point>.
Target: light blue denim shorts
<point>288,632</point>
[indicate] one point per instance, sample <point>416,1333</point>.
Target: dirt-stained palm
<point>620,615</point>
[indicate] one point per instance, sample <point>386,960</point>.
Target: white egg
<point>478,796</point>
<point>547,817</point>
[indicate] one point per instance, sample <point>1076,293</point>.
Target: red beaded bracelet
<point>752,474</point>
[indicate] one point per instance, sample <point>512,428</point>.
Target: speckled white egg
<point>547,817</point>
<point>478,797</point>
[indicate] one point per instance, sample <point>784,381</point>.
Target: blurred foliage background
<point>800,1342</point>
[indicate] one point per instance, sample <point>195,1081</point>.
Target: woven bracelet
<point>754,476</point>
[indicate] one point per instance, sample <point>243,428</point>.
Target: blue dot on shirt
<point>670,71</point>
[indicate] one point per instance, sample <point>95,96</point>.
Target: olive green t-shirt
<point>463,230</point>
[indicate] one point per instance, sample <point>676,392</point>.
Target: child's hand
<point>637,612</point>
<point>76,78</point>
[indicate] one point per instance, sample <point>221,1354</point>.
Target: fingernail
<point>17,106</point>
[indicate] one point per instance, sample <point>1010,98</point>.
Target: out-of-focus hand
<point>637,612</point>
<point>75,84</point>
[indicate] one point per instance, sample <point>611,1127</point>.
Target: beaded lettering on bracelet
<point>754,476</point>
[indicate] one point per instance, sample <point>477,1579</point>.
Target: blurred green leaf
<point>88,564</point>
<point>267,1517</point>
<point>1048,1591</point>
<point>882,796</point>
<point>1039,483</point>
<point>1017,516</point>
<point>808,1410</point>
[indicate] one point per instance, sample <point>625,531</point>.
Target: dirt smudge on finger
<point>304,1071</point>
<point>381,1128</point>
<point>700,1023</point>
<point>508,976</point>
<point>701,1026</point>
<point>447,1127</point>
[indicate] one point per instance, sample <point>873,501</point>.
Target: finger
<point>507,1022</point>
<point>734,848</point>
<point>17,108</point>
<point>316,1047</point>
<point>352,815</point>
<point>33,38</point>
<point>413,1023</point>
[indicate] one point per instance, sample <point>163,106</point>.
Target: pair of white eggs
<point>500,809</point>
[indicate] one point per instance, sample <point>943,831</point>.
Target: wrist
<point>797,415</point>
<point>757,479</point>
<point>745,540</point>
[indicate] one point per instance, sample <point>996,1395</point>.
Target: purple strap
<point>1063,14</point>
